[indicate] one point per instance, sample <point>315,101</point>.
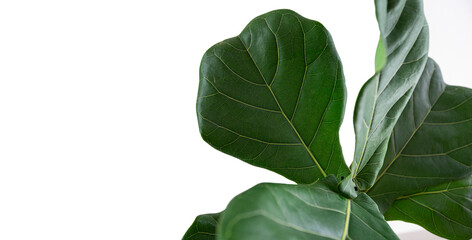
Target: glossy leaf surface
<point>445,210</point>
<point>203,228</point>
<point>403,53</point>
<point>277,211</point>
<point>431,142</point>
<point>274,97</point>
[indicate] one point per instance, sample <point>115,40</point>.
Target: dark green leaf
<point>274,97</point>
<point>445,210</point>
<point>276,211</point>
<point>431,142</point>
<point>203,228</point>
<point>404,44</point>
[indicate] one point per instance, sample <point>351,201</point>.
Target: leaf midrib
<point>433,192</point>
<point>368,127</point>
<point>346,223</point>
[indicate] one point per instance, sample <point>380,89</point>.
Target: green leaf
<point>431,142</point>
<point>380,56</point>
<point>203,228</point>
<point>274,97</point>
<point>348,189</point>
<point>445,210</point>
<point>317,211</point>
<point>402,52</point>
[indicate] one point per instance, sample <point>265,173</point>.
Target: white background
<point>98,130</point>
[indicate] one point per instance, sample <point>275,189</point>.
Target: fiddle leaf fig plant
<point>274,97</point>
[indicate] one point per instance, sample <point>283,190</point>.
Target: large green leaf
<point>317,211</point>
<point>301,100</point>
<point>401,57</point>
<point>445,210</point>
<point>431,142</point>
<point>274,97</point>
<point>203,228</point>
